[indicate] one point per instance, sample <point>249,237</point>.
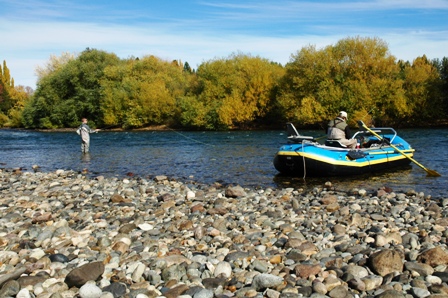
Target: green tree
<point>193,113</point>
<point>306,86</point>
<point>187,68</point>
<point>442,68</point>
<point>69,92</point>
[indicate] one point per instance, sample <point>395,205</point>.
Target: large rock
<point>90,291</point>
<point>116,288</point>
<point>264,281</point>
<point>434,257</point>
<point>420,268</point>
<point>10,289</point>
<point>306,270</point>
<point>329,199</point>
<point>386,261</point>
<point>235,192</point>
<point>79,276</point>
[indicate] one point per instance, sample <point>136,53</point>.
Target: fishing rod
<point>190,138</point>
<point>367,114</point>
<point>169,128</point>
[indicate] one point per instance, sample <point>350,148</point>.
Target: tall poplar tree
<point>6,83</point>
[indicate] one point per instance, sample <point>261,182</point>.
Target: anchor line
<point>303,156</point>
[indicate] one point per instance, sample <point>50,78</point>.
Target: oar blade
<point>432,173</point>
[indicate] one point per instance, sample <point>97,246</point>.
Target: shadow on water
<point>397,178</point>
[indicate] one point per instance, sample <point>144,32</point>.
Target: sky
<point>196,31</point>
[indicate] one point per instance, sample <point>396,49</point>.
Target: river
<point>237,157</point>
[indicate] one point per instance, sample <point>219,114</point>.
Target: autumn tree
<point>6,84</point>
<point>444,78</point>
<point>230,92</point>
<point>357,75</point>
<point>141,92</point>
<point>12,99</point>
<point>4,99</point>
<point>423,91</point>
<point>21,95</point>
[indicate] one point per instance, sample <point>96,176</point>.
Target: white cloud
<point>34,30</point>
<point>194,49</point>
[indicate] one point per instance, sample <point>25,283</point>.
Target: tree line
<point>357,75</point>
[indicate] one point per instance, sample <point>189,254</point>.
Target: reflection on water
<point>243,158</point>
<point>85,157</point>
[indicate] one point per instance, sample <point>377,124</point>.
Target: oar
<point>319,138</point>
<point>430,172</point>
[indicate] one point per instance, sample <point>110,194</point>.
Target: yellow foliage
<point>362,114</point>
<point>351,75</point>
<point>310,111</point>
<point>239,88</point>
<point>139,92</point>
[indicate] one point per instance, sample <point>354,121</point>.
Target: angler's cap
<point>343,114</point>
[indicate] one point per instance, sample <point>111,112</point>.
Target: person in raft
<point>338,129</point>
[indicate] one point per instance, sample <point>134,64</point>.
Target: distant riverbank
<point>439,124</point>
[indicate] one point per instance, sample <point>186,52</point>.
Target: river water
<point>241,157</point>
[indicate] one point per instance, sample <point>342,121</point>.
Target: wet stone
<point>59,258</point>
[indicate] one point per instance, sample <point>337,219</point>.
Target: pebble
<point>90,290</point>
<point>63,234</point>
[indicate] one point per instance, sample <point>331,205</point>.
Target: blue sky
<point>195,31</point>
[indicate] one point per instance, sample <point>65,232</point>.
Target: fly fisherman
<point>84,131</point>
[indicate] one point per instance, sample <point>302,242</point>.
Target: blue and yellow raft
<point>305,156</point>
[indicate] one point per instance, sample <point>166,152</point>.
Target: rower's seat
<point>294,136</point>
<point>334,143</point>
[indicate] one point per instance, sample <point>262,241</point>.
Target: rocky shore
<point>65,235</point>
